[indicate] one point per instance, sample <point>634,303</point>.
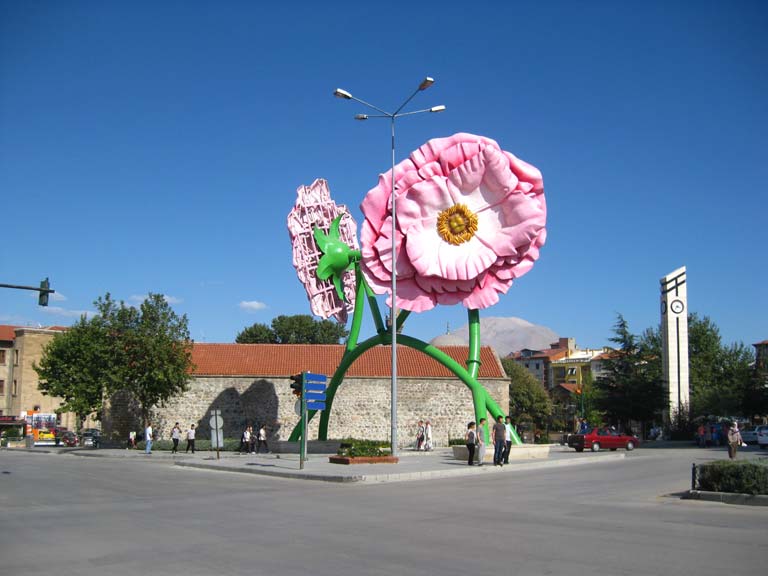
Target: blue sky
<point>157,147</point>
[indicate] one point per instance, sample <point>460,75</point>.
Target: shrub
<point>352,447</point>
<point>457,442</point>
<point>230,445</point>
<point>739,477</point>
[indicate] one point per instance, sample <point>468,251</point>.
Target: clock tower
<point>674,339</point>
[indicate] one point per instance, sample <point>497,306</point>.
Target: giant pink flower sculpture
<point>470,219</point>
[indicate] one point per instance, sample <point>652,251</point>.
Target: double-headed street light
<point>339,93</point>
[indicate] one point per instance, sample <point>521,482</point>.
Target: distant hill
<point>506,335</point>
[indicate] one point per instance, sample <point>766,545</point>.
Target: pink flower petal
<point>505,193</point>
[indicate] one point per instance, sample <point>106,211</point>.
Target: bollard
<point>693,476</point>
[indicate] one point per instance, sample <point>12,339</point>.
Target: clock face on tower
<point>677,306</point>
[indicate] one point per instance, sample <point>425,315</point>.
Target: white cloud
<point>57,297</point>
<point>59,311</point>
<point>139,298</point>
<point>252,305</point>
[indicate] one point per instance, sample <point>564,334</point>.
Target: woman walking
<point>471,440</point>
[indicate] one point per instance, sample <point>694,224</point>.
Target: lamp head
<point>440,108</point>
<point>426,83</point>
<point>339,93</point>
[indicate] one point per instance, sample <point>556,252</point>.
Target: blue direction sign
<point>314,390</point>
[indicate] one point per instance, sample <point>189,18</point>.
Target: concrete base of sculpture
<point>522,452</point>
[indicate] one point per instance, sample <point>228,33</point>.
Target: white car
<point>750,435</point>
<point>762,437</point>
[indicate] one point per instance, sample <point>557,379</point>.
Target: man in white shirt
<point>507,439</point>
<point>148,438</point>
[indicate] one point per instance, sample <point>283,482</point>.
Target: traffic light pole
<point>303,445</point>
<point>44,290</point>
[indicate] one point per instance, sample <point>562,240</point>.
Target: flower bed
<point>363,459</point>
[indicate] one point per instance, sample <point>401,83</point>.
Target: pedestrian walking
<point>734,441</point>
<point>481,434</point>
<point>175,437</point>
<point>507,439</point>
<point>262,439</point>
<point>245,440</point>
<point>148,438</point>
<point>252,442</point>
<point>470,439</point>
<point>427,436</point>
<point>499,433</point>
<point>420,435</point>
<point>191,439</point>
<point>701,433</point>
<point>132,439</point>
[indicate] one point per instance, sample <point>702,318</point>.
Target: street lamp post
<point>339,93</point>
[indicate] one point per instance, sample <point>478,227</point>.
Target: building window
<point>537,365</point>
<point>2,356</point>
<point>571,371</point>
<point>526,365</point>
<point>16,357</point>
<point>2,387</point>
<point>14,387</point>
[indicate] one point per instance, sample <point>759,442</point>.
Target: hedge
<point>230,445</point>
<point>741,477</point>
<point>352,447</point>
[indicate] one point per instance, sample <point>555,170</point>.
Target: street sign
<point>217,437</point>
<point>216,422</point>
<point>315,378</point>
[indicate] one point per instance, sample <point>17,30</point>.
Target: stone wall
<point>361,407</point>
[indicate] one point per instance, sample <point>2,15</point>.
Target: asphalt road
<point>65,514</point>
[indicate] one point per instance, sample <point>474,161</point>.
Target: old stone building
<point>21,347</point>
<point>250,384</point>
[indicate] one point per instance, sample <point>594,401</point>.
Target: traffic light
<point>297,384</point>
<point>42,299</point>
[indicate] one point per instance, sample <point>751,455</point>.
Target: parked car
<point>750,435</point>
<point>90,437</point>
<point>599,438</point>
<point>68,439</point>
<point>762,437</point>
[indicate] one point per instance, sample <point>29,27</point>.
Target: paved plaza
<point>121,512</point>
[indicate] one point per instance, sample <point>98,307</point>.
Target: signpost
<point>312,398</point>
<point>217,432</point>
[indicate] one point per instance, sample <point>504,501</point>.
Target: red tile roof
<point>7,332</point>
<point>284,359</point>
<point>570,387</point>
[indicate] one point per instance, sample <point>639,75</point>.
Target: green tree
<point>630,389</point>
<point>527,397</point>
<point>721,379</point>
<point>298,329</point>
<point>146,352</point>
<point>153,350</point>
<point>75,367</point>
<point>257,334</point>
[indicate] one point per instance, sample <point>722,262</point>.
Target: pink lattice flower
<point>329,283</point>
<point>470,220</point>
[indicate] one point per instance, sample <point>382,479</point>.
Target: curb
<point>404,476</point>
<point>727,498</point>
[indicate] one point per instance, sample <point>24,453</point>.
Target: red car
<point>602,438</point>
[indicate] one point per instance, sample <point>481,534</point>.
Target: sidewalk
<point>412,465</point>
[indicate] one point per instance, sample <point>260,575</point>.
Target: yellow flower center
<point>457,224</point>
